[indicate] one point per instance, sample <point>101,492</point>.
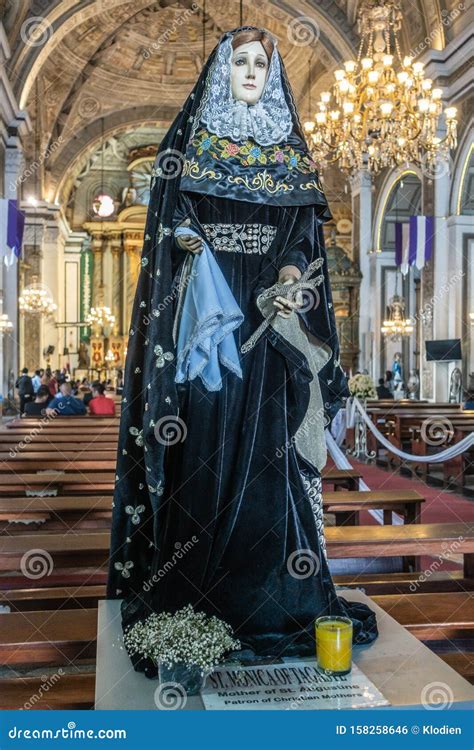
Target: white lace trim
<point>267,122</point>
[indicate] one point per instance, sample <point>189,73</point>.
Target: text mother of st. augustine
<point>218,493</point>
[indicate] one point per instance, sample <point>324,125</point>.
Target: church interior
<point>88,90</point>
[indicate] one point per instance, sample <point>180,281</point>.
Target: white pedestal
<point>399,665</point>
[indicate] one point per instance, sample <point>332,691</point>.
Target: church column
<point>117,251</point>
<point>97,274</point>
<point>444,264</point>
<point>9,278</point>
<point>361,186</point>
<point>132,245</point>
<point>31,325</point>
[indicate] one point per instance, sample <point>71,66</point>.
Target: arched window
<point>404,201</point>
<point>466,203</point>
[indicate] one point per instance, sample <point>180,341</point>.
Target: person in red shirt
<point>99,403</point>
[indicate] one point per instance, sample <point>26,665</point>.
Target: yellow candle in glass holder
<point>334,644</point>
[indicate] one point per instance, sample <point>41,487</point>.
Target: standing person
<point>36,380</point>
<point>382,390</point>
<point>25,389</point>
<point>389,382</point>
<point>54,382</point>
<point>37,408</point>
<point>65,404</point>
<point>100,404</point>
<point>219,452</point>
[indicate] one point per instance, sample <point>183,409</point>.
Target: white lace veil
<point>266,122</point>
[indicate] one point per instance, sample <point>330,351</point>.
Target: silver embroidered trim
<point>240,238</point>
<point>314,489</point>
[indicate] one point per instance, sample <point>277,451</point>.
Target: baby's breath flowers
<point>186,637</point>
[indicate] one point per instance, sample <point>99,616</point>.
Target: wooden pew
<point>342,542</point>
<point>347,505</point>
<point>410,540</point>
<point>77,481</point>
<point>56,638</point>
<point>342,478</point>
<point>90,465</point>
<point>64,636</point>
<point>60,691</point>
<point>432,617</point>
<point>45,448</point>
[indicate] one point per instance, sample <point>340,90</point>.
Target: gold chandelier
<point>377,116</point>
<point>100,317</point>
<point>36,299</point>
<point>396,325</point>
<point>6,326</point>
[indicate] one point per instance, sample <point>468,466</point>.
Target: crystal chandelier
<point>6,326</point>
<point>396,324</point>
<point>99,317</point>
<point>36,299</point>
<point>376,115</point>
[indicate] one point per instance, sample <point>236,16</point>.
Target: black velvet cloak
<point>218,494</point>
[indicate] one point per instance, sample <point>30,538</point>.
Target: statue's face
<point>249,72</point>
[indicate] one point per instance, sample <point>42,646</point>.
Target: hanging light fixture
<point>397,325</point>
<point>103,204</point>
<point>6,326</point>
<point>100,317</point>
<point>378,115</point>
<point>36,299</point>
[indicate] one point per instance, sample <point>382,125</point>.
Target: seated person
<point>87,398</point>
<point>100,404</point>
<point>37,408</point>
<point>382,390</point>
<point>468,404</point>
<point>65,404</point>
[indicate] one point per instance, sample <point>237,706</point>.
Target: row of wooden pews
<point>48,629</point>
<point>422,428</point>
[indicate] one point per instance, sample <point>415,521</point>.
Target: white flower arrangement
<point>191,638</point>
<point>362,386</point>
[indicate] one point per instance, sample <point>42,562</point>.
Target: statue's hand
<point>188,241</point>
<point>285,306</point>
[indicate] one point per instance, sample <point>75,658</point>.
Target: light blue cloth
<point>209,316</point>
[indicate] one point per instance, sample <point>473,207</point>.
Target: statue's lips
<point>249,86</point>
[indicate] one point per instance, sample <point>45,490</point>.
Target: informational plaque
<point>292,686</point>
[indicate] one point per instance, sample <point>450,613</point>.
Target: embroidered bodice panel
<point>240,238</point>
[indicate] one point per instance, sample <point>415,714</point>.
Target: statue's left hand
<point>285,306</point>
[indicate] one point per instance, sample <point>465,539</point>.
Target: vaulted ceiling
<point>133,62</point>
